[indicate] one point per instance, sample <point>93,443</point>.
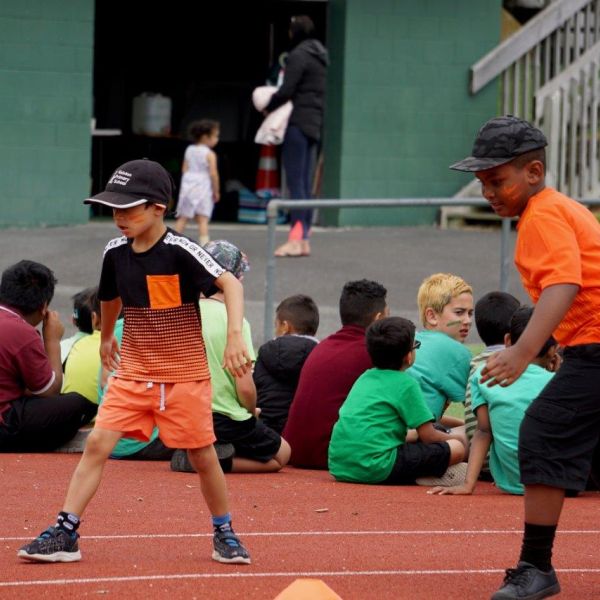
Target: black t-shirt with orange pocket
<point>159,289</point>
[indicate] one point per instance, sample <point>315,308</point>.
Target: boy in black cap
<point>558,257</point>
<point>156,276</point>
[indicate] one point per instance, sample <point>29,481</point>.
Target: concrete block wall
<point>46,57</point>
<point>401,96</point>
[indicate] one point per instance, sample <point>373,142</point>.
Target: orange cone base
<point>301,589</point>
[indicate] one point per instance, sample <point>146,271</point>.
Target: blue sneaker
<point>228,548</point>
<point>53,545</point>
<point>527,582</point>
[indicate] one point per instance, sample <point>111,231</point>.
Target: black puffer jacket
<point>276,375</point>
<point>304,84</point>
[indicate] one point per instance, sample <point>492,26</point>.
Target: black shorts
<point>561,428</point>
<point>251,438</point>
<point>419,460</point>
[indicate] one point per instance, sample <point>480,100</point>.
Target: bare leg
<point>180,224</point>
<point>88,474</point>
<point>203,235</point>
<point>212,479</point>
<point>246,465</point>
<point>543,504</point>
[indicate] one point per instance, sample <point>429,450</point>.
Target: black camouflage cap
<point>499,141</point>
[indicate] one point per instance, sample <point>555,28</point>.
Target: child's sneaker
<point>454,475</point>
<point>53,545</point>
<point>228,548</point>
<point>527,582</point>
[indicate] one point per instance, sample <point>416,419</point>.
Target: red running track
<point>146,535</point>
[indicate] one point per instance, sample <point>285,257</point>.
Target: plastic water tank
<point>151,114</point>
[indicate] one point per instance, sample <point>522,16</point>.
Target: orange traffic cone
<point>267,177</point>
<point>315,589</point>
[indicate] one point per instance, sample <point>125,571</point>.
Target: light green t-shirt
<point>82,366</point>
<point>125,446</point>
<point>381,406</point>
<point>442,368</point>
<point>214,332</point>
<point>507,406</point>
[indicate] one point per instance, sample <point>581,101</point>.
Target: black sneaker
<point>228,548</point>
<point>53,545</point>
<point>527,582</point>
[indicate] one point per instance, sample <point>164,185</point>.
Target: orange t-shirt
<point>558,241</point>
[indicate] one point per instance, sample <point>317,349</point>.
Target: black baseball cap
<point>136,182</point>
<point>499,141</point>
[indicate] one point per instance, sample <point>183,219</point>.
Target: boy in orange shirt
<point>155,275</point>
<point>557,254</point>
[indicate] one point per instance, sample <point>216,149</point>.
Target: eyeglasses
<point>416,345</point>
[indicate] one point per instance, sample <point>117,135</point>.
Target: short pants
<point>419,460</point>
<point>561,427</point>
<point>181,411</point>
<point>251,438</point>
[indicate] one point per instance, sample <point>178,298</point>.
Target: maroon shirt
<point>24,364</point>
<point>326,378</point>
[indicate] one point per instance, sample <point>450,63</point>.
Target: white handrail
<point>524,40</point>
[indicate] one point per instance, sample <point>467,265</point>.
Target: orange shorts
<point>181,411</point>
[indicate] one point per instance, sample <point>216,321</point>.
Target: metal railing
<point>274,205</point>
<point>542,49</point>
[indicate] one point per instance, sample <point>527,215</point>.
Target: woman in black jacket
<point>303,84</point>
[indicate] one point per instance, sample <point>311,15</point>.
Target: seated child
<point>257,447</point>
<point>280,361</point>
<point>493,313</point>
<point>329,372</point>
<point>82,364</point>
<point>369,444</point>
<point>82,319</point>
<point>500,410</point>
<point>442,364</point>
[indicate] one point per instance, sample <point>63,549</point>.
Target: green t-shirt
<point>381,406</point>
<point>507,406</point>
<point>214,332</point>
<point>125,446</point>
<point>442,368</point>
<point>82,366</point>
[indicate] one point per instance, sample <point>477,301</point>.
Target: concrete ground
<point>399,258</point>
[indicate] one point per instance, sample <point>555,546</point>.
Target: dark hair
<point>537,154</point>
<point>361,301</point>
<point>27,286</point>
<point>301,28</point>
<point>84,303</point>
<point>197,129</point>
<point>301,311</point>
<point>389,340</point>
<point>517,327</point>
<point>493,312</point>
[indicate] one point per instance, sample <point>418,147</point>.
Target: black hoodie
<point>276,375</point>
<point>304,84</point>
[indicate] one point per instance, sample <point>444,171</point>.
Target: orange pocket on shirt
<point>163,291</point>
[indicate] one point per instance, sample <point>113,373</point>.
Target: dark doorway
<point>207,57</point>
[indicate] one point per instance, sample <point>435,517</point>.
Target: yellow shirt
<point>83,366</point>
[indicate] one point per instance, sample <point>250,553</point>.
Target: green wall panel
<point>46,54</point>
<point>399,111</point>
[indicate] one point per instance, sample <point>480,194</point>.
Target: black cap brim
<point>473,164</point>
<point>115,200</point>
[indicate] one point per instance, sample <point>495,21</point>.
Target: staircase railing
<point>542,49</point>
<point>567,108</point>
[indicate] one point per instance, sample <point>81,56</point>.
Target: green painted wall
<point>399,111</point>
<point>46,49</point>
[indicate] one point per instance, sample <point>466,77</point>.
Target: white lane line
<point>136,536</point>
<point>238,575</point>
